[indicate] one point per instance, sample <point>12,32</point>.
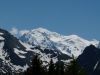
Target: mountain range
<point>16,52</point>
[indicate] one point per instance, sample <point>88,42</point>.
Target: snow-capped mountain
<point>70,45</point>
<point>9,47</point>
<point>16,53</point>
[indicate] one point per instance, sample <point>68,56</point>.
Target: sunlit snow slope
<point>70,45</point>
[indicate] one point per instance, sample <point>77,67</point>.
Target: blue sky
<point>81,17</point>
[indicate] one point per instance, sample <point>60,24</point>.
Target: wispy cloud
<point>23,32</point>
<point>14,31</point>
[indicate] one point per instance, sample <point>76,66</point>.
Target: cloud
<point>14,31</point>
<point>23,32</point>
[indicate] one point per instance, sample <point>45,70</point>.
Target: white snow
<point>2,55</point>
<point>70,45</point>
<point>28,47</point>
<point>17,67</point>
<point>1,45</point>
<point>41,30</point>
<point>19,53</point>
<point>1,33</point>
<point>96,65</point>
<point>21,56</point>
<point>1,38</point>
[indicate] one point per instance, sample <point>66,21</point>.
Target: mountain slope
<point>16,55</point>
<point>70,45</point>
<point>90,60</point>
<point>9,59</point>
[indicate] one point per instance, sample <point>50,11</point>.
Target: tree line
<point>58,68</point>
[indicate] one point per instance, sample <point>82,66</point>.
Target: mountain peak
<point>42,30</point>
<point>73,36</point>
<point>69,45</point>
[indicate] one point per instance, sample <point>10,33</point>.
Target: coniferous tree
<point>36,67</point>
<point>62,69</point>
<point>59,68</point>
<point>54,69</point>
<point>73,68</point>
<point>51,70</point>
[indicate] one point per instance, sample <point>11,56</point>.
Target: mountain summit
<point>16,53</point>
<point>70,45</point>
